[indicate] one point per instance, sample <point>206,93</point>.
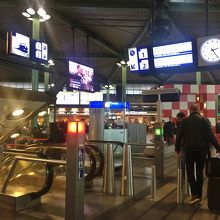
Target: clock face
<point>210,50</point>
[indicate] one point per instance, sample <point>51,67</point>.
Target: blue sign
<point>173,55</point>
<point>19,44</point>
<point>39,51</point>
<point>109,105</point>
<point>138,59</point>
<point>96,104</point>
<point>117,105</point>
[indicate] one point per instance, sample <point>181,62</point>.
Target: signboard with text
<point>39,51</point>
<point>18,44</point>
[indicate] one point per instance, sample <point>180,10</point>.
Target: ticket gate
<point>159,150</point>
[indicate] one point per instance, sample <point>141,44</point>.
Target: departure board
<point>173,55</point>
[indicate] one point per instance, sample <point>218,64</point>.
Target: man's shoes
<point>194,199</point>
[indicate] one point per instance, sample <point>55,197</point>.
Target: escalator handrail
<point>49,173</point>
<point>98,152</point>
<point>105,142</point>
<point>19,152</point>
<point>48,180</point>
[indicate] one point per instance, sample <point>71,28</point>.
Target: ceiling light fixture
<point>18,112</point>
<point>15,135</point>
<point>42,113</point>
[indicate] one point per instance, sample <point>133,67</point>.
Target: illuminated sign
<point>18,44</point>
<point>117,105</point>
<point>173,55</point>
<point>67,98</point>
<point>138,59</point>
<point>80,77</point>
<point>39,51</point>
<point>76,127</point>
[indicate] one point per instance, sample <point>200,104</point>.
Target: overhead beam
<point>102,4</point>
<point>212,78</point>
<point>192,7</point>
<point>169,79</point>
<point>84,30</point>
<point>91,56</point>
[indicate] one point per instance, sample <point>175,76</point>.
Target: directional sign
<point>138,59</point>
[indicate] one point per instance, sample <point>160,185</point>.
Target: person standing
<point>169,131</point>
<point>179,117</point>
<point>195,135</point>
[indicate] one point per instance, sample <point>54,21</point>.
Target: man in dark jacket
<point>194,133</point>
<point>169,131</point>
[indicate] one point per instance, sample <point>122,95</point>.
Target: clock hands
<point>213,50</point>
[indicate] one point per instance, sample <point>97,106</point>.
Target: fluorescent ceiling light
<point>31,19</point>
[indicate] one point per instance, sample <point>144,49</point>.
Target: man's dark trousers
<point>195,181</point>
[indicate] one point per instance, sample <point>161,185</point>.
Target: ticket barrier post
<point>159,150</point>
<point>74,198</point>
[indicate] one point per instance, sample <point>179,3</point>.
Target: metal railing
<point>18,158</point>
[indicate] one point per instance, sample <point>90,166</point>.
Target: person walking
<point>195,134</point>
<point>169,131</point>
<point>179,117</point>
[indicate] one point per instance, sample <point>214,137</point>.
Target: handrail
<point>142,145</point>
<point>58,162</point>
<point>17,158</point>
<point>105,142</point>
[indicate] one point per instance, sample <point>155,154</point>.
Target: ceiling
<point>98,33</point>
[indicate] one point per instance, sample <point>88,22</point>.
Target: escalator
<point>28,170</point>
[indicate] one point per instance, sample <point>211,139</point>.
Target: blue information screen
<point>173,55</point>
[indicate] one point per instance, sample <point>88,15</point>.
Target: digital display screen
<point>173,55</point>
<point>81,77</point>
<point>67,98</point>
<point>86,97</point>
<point>138,59</point>
<point>19,44</point>
<point>39,51</point>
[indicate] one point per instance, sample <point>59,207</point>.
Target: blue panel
<point>117,105</point>
<point>96,104</point>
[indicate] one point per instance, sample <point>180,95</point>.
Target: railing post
<point>127,187</point>
<point>108,173</point>
<point>153,183</point>
<point>187,190</point>
<point>179,183</point>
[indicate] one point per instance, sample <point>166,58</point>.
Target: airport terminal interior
<point>86,89</point>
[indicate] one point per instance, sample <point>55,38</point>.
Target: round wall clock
<point>210,50</point>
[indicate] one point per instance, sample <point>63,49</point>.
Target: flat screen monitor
<point>80,77</point>
<point>18,44</point>
<point>177,56</point>
<point>138,59</point>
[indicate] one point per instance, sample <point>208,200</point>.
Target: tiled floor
<point>99,206</point>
